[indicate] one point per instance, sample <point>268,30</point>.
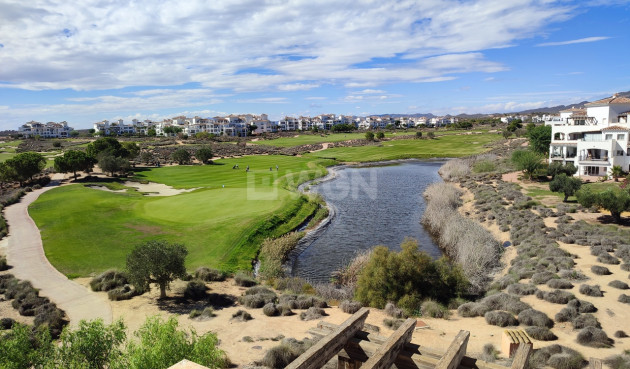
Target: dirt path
<point>26,254</point>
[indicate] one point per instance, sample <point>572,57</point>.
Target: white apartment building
<point>594,139</point>
<point>48,130</point>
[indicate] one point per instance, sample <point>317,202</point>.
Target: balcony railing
<point>588,158</point>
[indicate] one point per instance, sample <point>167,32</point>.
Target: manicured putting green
<point>87,230</point>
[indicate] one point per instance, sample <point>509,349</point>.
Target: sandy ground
<point>157,189</point>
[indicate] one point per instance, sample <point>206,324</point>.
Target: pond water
<point>376,205</point>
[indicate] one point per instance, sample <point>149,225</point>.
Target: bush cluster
<point>557,357</point>
<point>312,313</point>
<point>408,277</point>
<point>535,318</point>
<point>274,253</point>
<point>541,333</point>
<point>555,296</point>
<point>195,290</point>
<point>350,307</point>
<point>209,275</point>
<point>27,302</point>
<point>244,279</point>
<point>282,355</point>
<point>591,290</point>
<point>594,337</point>
<point>500,318</point>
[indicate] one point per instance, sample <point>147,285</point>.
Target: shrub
<point>472,309</point>
<point>589,290</point>
<point>349,275</point>
<point>194,314</point>
<point>489,353</point>
<point>244,279</point>
<point>522,289</point>
<point>555,296</point>
<point>500,318</point>
<point>393,323</point>
<point>574,275</point>
<point>624,298</point>
<point>285,310</point>
<point>433,309</point>
<point>279,357</point>
<point>125,292</point>
<point>242,315</point>
<point>535,318</point>
<point>3,263</point>
<point>556,356</point>
<point>247,339</point>
<point>618,361</point>
<point>270,309</point>
<point>585,320</point>
<point>406,277</point>
<point>350,307</point>
<point>257,299</point>
<point>620,334</point>
<point>618,284</point>
<point>582,306</point>
<point>559,283</point>
<point>329,291</point>
<point>6,323</point>
<point>312,313</point>
<point>274,252</point>
<point>600,270</point>
<point>504,301</point>
<point>195,290</point>
<point>566,314</point>
<point>307,302</point>
<point>594,337</point>
<point>543,277</point>
<point>209,274</point>
<point>393,311</point>
<point>109,280</point>
<point>606,258</point>
<point>541,333</point>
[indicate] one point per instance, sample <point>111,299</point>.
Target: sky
<point>89,60</point>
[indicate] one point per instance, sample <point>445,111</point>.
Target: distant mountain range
<point>548,110</point>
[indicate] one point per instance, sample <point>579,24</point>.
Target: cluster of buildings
<point>241,125</point>
<point>45,130</point>
<point>595,138</point>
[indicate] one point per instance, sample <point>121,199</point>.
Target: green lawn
<point>441,147</point>
<point>86,230</point>
<point>309,139</point>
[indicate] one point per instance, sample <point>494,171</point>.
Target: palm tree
<point>617,172</point>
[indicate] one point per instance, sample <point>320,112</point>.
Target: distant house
<point>594,139</point>
<point>47,130</point>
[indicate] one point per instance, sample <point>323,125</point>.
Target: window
<point>619,153</point>
<point>621,137</point>
<point>609,136</point>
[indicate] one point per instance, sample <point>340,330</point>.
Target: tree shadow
<point>608,219</point>
<point>181,305</point>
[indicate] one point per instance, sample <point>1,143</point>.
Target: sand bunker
<point>157,189</point>
<point>103,188</point>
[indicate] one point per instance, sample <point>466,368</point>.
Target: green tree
<point>156,262</point>
<point>181,156</point>
<point>507,134</point>
<point>147,157</point>
<point>418,134</point>
<point>540,139</point>
<point>391,126</point>
<point>431,135</point>
<point>617,172</point>
<point>151,132</point>
<point>202,135</point>
<point>556,168</point>
<point>407,277</point>
<point>92,346</point>
<point>23,348</point>
<point>527,161</point>
<point>112,164</point>
<point>161,344</point>
<point>614,200</point>
<point>7,174</point>
<point>380,135</point>
<point>132,148</point>
<point>107,145</point>
<point>369,135</point>
<point>73,161</point>
<point>74,134</point>
<point>568,185</point>
<point>514,125</point>
<point>204,154</point>
<point>26,165</point>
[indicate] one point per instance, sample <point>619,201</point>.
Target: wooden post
<point>453,356</point>
<point>387,353</point>
<point>324,350</point>
<point>594,363</point>
<point>522,356</point>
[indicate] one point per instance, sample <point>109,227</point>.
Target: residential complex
<point>594,139</point>
<point>46,130</point>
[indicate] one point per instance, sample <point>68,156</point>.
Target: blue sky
<point>100,60</point>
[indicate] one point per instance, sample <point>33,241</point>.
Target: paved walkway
<point>26,254</point>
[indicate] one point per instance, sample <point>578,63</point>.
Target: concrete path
<point>25,254</point>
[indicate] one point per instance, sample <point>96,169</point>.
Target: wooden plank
<point>522,356</point>
<point>594,363</point>
<point>455,352</point>
<point>324,350</point>
<point>387,353</point>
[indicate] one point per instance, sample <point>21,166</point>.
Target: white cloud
<point>251,45</point>
<point>264,100</point>
<point>571,42</point>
